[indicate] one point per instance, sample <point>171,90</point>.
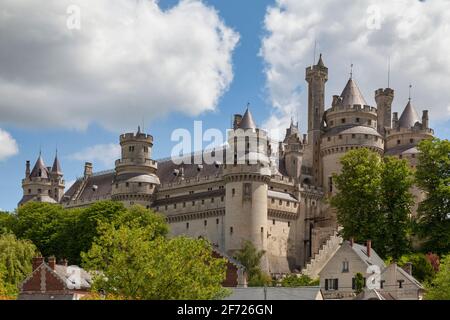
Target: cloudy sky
<point>74,74</point>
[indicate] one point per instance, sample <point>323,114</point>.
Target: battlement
<point>131,136</point>
<point>415,130</point>
<point>354,108</point>
<point>384,92</point>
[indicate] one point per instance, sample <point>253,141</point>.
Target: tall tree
<point>358,198</point>
<point>433,176</point>
<point>15,261</point>
<point>397,200</point>
<point>373,201</point>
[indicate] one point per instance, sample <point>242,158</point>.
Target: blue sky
<point>270,99</point>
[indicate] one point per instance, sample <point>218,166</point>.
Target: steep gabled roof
<point>351,94</point>
<point>409,117</point>
<point>39,169</point>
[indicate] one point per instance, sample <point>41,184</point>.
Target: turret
<point>37,184</point>
<point>293,151</point>
<point>56,177</point>
<point>246,174</point>
<point>384,98</point>
<point>135,179</point>
<point>316,76</point>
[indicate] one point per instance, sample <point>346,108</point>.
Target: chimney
<point>52,262</point>
<point>425,119</point>
<point>352,241</point>
<point>369,247</point>
<point>37,261</point>
<point>87,169</point>
<point>27,169</point>
<point>408,268</point>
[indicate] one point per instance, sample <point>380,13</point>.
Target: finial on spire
<point>139,129</point>
<point>248,105</point>
<point>409,98</point>
<point>351,71</point>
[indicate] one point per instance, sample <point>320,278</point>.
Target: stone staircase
<point>325,253</point>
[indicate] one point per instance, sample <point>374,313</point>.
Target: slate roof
<point>351,94</point>
<point>39,166</point>
<point>56,168</point>
<point>409,117</point>
<point>405,149</point>
<point>351,129</point>
<point>281,195</point>
<point>374,258</point>
<point>247,121</point>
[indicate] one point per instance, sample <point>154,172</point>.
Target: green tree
<point>294,280</point>
<point>440,286</point>
<point>422,269</point>
<point>358,199</point>
<point>136,261</point>
<point>359,283</point>
<point>250,257</point>
<point>15,261</point>
<point>397,200</point>
<point>7,221</point>
<point>433,177</point>
<point>373,201</point>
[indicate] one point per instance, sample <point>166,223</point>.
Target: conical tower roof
<point>351,94</point>
<point>247,121</point>
<point>409,117</point>
<point>39,169</point>
<point>56,168</point>
<point>320,62</point>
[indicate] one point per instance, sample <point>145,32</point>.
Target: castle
<point>280,206</point>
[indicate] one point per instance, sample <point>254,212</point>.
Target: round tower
<point>246,175</point>
<point>350,124</point>
<point>135,179</point>
<point>37,184</point>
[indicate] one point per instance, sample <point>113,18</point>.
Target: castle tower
<point>316,76</point>
<point>246,174</point>
<point>135,179</point>
<point>406,133</point>
<point>384,98</point>
<point>351,124</point>
<point>37,184</point>
<point>293,151</point>
<point>56,178</point>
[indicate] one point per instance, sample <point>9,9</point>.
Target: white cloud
<point>129,60</point>
<point>8,146</point>
<point>413,33</point>
<point>103,154</point>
